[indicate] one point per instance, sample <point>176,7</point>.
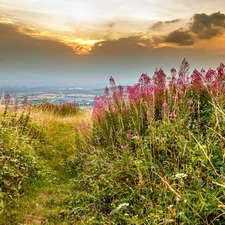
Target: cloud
<point>25,55</point>
<point>15,40</point>
<point>207,26</point>
<point>122,46</point>
<point>181,37</point>
<point>159,24</point>
<point>173,21</point>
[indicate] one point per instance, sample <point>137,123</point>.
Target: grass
<point>152,153</point>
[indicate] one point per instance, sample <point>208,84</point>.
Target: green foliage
<point>18,161</point>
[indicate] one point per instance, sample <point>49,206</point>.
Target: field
<point>152,153</point>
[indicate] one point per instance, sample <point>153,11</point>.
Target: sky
<point>82,43</point>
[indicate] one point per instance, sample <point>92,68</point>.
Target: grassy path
<point>44,201</point>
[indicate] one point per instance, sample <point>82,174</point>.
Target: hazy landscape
<point>53,94</point>
<point>112,112</point>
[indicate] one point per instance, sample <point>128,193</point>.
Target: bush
<point>18,161</point>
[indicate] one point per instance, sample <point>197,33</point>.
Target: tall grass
<point>65,109</point>
<point>156,154</point>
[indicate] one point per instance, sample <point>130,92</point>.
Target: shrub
<point>18,161</point>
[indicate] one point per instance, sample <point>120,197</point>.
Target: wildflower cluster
<point>162,97</point>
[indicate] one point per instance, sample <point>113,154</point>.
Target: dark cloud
<point>208,26</point>
<point>12,40</point>
<point>173,21</point>
<point>159,24</point>
<point>25,55</point>
<point>181,37</point>
<point>121,46</point>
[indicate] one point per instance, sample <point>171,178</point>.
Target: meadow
<point>151,153</point>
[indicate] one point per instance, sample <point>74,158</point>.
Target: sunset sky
<point>83,43</point>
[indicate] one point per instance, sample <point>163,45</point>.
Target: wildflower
<point>106,91</point>
<point>171,206</point>
<point>135,137</point>
<point>173,115</point>
<point>201,122</point>
<point>190,102</point>
<point>122,205</point>
<point>112,81</point>
<point>129,135</point>
<point>165,105</point>
<point>178,199</point>
<point>180,175</point>
<point>181,93</point>
<point>173,71</point>
<point>185,200</point>
<point>174,97</point>
<point>123,147</point>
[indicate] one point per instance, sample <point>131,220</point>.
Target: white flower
<point>180,175</point>
<point>122,205</point>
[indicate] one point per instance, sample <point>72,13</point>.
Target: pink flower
<point>190,102</point>
<point>129,135</point>
<point>174,97</point>
<point>173,115</point>
<point>181,93</point>
<point>165,104</point>
<point>123,147</point>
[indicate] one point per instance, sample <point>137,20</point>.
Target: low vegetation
<point>152,153</point>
